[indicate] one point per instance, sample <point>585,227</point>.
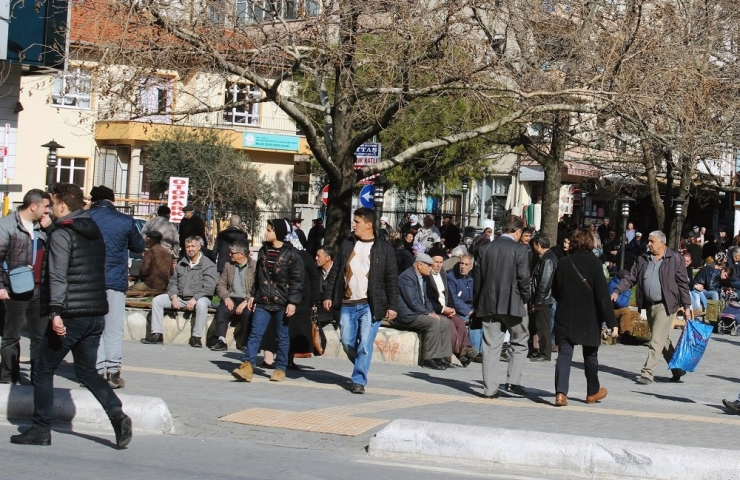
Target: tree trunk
<point>551,199</point>
<point>339,211</point>
<point>649,154</point>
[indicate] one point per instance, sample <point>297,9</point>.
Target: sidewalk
<point>319,413</point>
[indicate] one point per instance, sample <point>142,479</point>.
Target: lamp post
<point>51,162</point>
<point>678,204</point>
<point>465,181</point>
<point>379,195</point>
<point>582,212</point>
<point>625,201</point>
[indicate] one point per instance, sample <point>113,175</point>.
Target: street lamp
<point>379,195</point>
<point>51,162</point>
<point>678,204</point>
<point>465,181</point>
<point>625,201</point>
<point>582,212</point>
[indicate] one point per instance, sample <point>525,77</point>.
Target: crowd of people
<point>505,296</point>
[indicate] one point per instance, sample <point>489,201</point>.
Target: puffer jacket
<point>16,246</point>
<point>284,285</point>
<point>73,282</point>
<point>542,280</point>
<point>120,235</point>
<point>193,282</point>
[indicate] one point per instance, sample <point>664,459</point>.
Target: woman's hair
<point>582,239</point>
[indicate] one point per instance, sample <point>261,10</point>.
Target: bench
<point>392,345</point>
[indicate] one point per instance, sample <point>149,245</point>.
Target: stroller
<point>729,317</point>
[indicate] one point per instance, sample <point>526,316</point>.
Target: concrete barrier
<point>571,455</point>
<point>80,409</point>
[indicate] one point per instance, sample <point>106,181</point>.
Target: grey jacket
<point>16,245</point>
<point>197,282</point>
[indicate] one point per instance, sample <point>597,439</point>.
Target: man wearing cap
<point>225,238</point>
<point>191,226</point>
<point>156,268</point>
<point>636,246</point>
<point>233,287</point>
<point>121,236</point>
<point>449,233</point>
<point>416,312</point>
<point>161,223</point>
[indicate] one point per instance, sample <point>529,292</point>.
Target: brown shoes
<point>596,396</point>
<point>561,400</point>
<point>244,372</point>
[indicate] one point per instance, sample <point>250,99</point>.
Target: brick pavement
<point>197,386</point>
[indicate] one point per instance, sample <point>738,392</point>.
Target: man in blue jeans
<point>73,296</point>
<point>364,287</point>
<point>276,290</point>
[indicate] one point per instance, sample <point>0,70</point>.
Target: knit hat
<point>436,252</point>
<point>280,226</point>
<point>101,193</point>
<point>154,234</point>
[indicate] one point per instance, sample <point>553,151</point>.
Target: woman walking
<point>580,289</point>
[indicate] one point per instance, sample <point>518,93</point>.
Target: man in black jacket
<point>225,238</point>
<point>191,225</point>
<point>73,295</point>
<point>542,298</point>
<point>502,290</point>
<point>365,264</point>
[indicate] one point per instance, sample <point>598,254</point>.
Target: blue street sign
<point>366,196</point>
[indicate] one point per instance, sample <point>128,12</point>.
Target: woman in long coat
<point>580,289</point>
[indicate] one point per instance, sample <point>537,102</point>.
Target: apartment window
<point>501,185</point>
<point>72,89</point>
<point>214,12</point>
<point>243,114</point>
<point>72,170</point>
<point>155,98</point>
<point>255,11</point>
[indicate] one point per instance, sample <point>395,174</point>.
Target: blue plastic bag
<point>691,346</point>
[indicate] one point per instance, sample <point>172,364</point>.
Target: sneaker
<point>153,339</point>
<point>244,372</point>
<point>32,436</point>
<point>733,405</point>
<point>277,376</point>
<point>123,429</point>
<point>219,347</point>
<point>195,342</point>
<point>115,380</point>
<point>644,381</point>
<point>357,389</point>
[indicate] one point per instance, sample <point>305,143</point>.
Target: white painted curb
<point>550,452</point>
<point>80,408</point>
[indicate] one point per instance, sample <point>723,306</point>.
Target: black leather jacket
<point>542,280</point>
<point>73,281</point>
<point>284,285</point>
<point>709,277</point>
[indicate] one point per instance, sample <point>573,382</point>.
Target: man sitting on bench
<point>190,289</point>
<point>233,287</point>
<point>155,270</point>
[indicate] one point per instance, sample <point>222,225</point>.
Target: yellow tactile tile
<point>309,421</point>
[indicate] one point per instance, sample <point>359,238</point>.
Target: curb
<point>553,453</point>
<point>80,408</point>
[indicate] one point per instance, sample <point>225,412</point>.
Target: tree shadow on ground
<point>666,397</point>
<point>717,338</point>
<point>459,385</point>
<point>729,379</point>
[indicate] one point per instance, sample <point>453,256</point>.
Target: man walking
<point>502,290</point>
<point>22,243</point>
<point>365,263</point>
<point>120,235</point>
<point>662,288</point>
<point>73,294</point>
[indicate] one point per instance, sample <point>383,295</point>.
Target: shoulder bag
<point>21,279</point>
<point>585,282</point>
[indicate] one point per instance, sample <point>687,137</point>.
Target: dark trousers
<point>82,338</point>
<point>18,312</point>
<point>590,368</point>
<point>224,316</point>
<point>540,323</point>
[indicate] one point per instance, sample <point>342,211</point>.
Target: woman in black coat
<point>580,289</point>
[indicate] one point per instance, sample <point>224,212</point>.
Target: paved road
<point>197,386</point>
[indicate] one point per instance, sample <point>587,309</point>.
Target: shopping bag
<point>691,346</point>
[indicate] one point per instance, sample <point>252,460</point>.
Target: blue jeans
<point>711,294</point>
<point>553,307</point>
<point>358,330</point>
<point>698,300</point>
<point>261,319</point>
<point>476,335</point>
